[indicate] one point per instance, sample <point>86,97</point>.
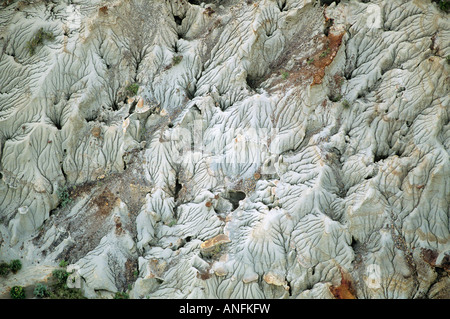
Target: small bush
<point>63,263</point>
<point>310,61</point>
<point>172,222</point>
<point>284,74</point>
<point>346,104</point>
<point>17,292</point>
<point>60,275</point>
<point>177,59</point>
<point>64,197</point>
<point>41,291</point>
<point>132,89</point>
<point>121,295</point>
<point>216,252</point>
<point>38,39</point>
<point>324,53</point>
<point>60,289</point>
<point>15,265</point>
<point>444,5</point>
<point>4,269</point>
<point>63,292</point>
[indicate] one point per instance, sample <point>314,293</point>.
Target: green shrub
<point>177,59</point>
<point>39,37</point>
<point>172,223</point>
<point>41,291</point>
<point>60,275</point>
<point>309,61</point>
<point>63,292</point>
<point>121,295</point>
<point>444,5</point>
<point>284,74</point>
<point>324,53</point>
<point>64,197</point>
<point>63,263</point>
<point>216,252</point>
<point>4,269</point>
<point>17,292</point>
<point>60,290</point>
<point>132,89</point>
<point>15,265</point>
<point>346,104</point>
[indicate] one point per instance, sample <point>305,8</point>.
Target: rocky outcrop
<point>228,149</point>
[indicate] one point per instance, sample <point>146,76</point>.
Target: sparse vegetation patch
<point>64,197</point>
<point>132,89</point>
<point>177,59</point>
<point>13,266</point>
<point>284,74</point>
<point>38,39</point>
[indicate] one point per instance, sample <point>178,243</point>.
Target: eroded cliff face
<point>227,149</point>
